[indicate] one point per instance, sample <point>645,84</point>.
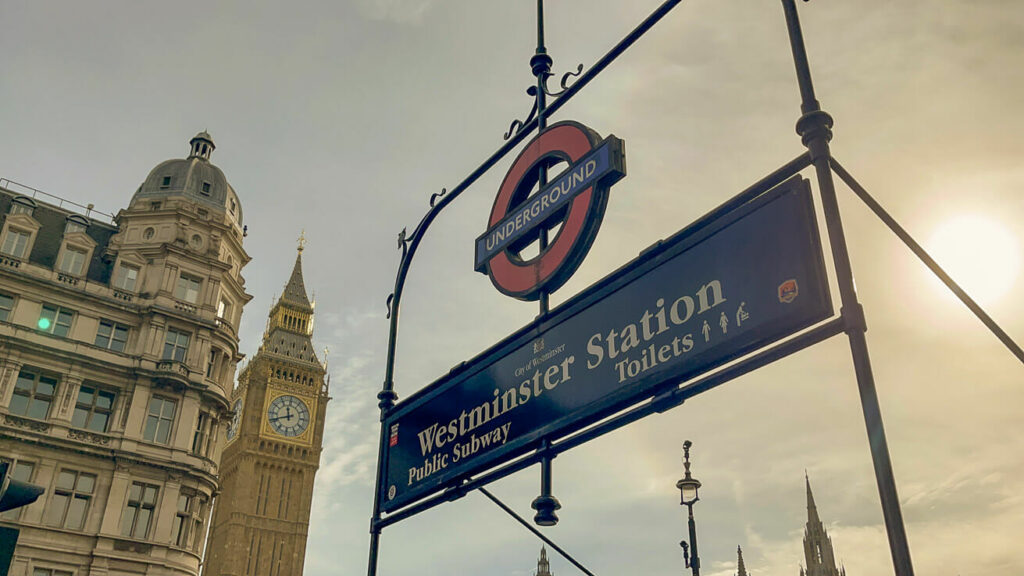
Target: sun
<point>980,253</point>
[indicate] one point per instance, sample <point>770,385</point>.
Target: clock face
<point>235,420</point>
<point>288,415</point>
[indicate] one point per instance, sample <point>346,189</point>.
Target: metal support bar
<point>928,261</point>
<point>667,400</point>
<point>536,532</point>
<point>815,130</point>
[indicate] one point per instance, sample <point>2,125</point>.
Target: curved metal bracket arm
<point>517,125</point>
<point>567,79</point>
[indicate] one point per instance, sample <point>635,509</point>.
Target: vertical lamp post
<point>688,486</point>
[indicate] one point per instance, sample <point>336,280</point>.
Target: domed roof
<point>194,177</point>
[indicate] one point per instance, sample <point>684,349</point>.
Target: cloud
<point>398,11</point>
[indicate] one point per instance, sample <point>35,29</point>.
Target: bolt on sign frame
<point>814,324</point>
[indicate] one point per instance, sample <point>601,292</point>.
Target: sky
<point>341,118</point>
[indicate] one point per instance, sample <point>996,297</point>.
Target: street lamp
<point>688,486</point>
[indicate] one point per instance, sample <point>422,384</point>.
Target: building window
<point>112,336</point>
<point>15,243</point>
<point>165,183</point>
<point>159,420</point>
<point>206,189</point>
<point>74,225</point>
<point>211,365</point>
<point>55,320</point>
<point>176,345</point>
<point>138,512</point>
<point>188,523</point>
<point>223,309</point>
<point>50,572</point>
<point>232,206</point>
<point>72,261</point>
<point>23,205</point>
<point>187,289</point>
<point>33,394</point>
<point>21,471</point>
<point>126,277</point>
<point>6,307</point>
<point>201,438</point>
<point>92,411</point>
<point>71,496</point>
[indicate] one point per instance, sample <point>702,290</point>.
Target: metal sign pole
<point>815,129</point>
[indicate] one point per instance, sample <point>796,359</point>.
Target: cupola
<point>202,146</point>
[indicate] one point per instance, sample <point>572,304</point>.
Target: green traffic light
<point>44,323</point>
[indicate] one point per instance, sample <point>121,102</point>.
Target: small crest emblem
<point>538,345</point>
<point>393,440</point>
<point>391,492</point>
<point>788,291</point>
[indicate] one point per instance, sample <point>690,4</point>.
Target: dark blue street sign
<point>715,291</point>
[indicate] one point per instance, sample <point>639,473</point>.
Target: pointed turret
<point>741,569</point>
<point>290,325</point>
<point>543,567</point>
<point>817,545</point>
<point>812,510</point>
<point>295,290</point>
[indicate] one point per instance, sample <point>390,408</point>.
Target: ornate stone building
<point>118,348</point>
<point>261,520</point>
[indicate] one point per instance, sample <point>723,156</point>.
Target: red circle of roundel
<point>549,270</point>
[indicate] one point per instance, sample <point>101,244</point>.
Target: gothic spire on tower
<point>741,569</point>
<point>817,545</point>
<point>295,290</point>
<point>543,567</point>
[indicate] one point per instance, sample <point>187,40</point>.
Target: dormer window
<point>165,183</point>
<point>231,205</point>
<point>206,189</point>
<point>23,205</point>
<point>71,227</point>
<point>16,243</point>
<point>72,261</point>
<point>75,224</point>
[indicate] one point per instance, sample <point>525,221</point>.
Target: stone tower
<point>821,561</point>
<point>261,519</point>
<point>543,568</point>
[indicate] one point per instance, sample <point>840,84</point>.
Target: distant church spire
<point>741,569</point>
<point>818,552</point>
<point>543,567</point>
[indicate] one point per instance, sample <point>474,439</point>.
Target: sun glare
<point>981,255</point>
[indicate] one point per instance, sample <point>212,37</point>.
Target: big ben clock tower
<point>274,440</point>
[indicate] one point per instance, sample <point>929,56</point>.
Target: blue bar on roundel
<point>589,170</point>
